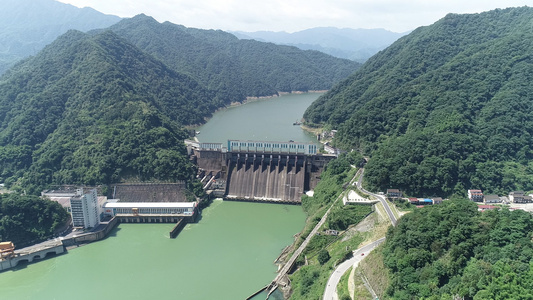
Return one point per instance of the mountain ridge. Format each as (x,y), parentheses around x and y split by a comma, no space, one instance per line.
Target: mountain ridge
(243,68)
(438,108)
(354,44)
(26,26)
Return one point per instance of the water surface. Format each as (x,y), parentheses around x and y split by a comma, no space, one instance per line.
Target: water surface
(228,254)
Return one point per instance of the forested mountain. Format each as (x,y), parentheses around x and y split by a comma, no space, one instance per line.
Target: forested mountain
(92,109)
(353,44)
(110,105)
(234,68)
(26,26)
(452,251)
(446,108)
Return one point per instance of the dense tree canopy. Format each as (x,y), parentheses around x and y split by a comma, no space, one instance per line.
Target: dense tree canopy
(450,250)
(27,219)
(443,109)
(95,109)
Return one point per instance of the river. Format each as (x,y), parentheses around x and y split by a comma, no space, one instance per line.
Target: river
(228,254)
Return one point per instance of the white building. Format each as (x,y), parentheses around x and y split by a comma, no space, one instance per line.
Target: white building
(475,195)
(149,208)
(85,209)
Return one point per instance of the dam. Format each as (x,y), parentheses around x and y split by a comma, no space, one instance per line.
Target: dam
(277,172)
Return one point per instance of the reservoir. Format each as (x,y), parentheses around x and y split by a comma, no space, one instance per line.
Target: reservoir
(228,254)
(262,120)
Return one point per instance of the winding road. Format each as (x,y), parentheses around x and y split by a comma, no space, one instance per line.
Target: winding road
(381,198)
(330,292)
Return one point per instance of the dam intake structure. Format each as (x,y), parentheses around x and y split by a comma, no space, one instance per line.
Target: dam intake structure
(278,172)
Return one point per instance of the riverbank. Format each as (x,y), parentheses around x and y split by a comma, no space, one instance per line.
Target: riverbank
(279,94)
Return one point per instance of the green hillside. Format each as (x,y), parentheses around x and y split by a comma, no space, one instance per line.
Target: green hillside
(234,68)
(92,109)
(446,108)
(452,251)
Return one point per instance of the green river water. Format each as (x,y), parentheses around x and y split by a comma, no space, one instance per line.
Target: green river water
(228,254)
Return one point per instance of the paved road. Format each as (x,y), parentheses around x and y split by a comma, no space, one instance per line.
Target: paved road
(380,197)
(330,293)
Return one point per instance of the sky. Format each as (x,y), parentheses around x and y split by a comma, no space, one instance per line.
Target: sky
(296,15)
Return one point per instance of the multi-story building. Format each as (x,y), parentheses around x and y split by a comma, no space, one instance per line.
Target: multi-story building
(519,197)
(475,195)
(516,196)
(84,209)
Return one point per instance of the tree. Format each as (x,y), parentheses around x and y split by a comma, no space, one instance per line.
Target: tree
(323,256)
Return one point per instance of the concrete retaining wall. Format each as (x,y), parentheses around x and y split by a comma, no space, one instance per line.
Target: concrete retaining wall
(91,236)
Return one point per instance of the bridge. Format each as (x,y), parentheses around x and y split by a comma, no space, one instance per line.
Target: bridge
(32,253)
(277,172)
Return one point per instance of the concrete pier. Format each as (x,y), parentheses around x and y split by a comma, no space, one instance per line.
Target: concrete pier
(177,228)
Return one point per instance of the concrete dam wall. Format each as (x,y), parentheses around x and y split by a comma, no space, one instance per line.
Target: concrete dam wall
(258,170)
(257,177)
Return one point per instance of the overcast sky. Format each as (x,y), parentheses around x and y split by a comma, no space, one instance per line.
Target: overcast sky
(295,15)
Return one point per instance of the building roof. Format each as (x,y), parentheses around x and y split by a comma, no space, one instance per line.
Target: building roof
(150,205)
(393,191)
(63,201)
(484,207)
(492,198)
(6,245)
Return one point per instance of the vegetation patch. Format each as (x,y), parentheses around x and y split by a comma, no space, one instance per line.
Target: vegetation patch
(360,290)
(373,269)
(25,220)
(453,250)
(342,288)
(340,217)
(444,109)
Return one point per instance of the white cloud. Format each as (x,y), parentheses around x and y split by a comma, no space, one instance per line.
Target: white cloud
(294,15)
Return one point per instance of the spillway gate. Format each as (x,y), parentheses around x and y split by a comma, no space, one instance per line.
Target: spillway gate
(278,175)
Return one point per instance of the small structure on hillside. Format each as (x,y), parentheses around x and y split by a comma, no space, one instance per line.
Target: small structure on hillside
(492,199)
(354,198)
(331,232)
(7,250)
(519,197)
(475,195)
(486,207)
(393,193)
